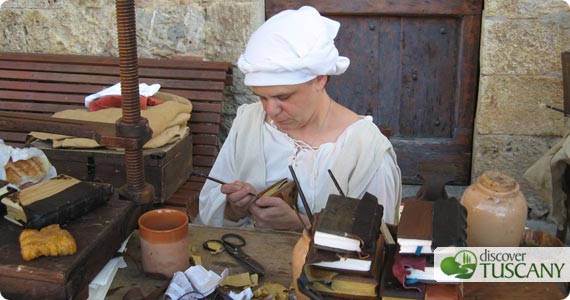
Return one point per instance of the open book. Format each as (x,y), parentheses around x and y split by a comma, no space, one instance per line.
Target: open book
(285,189)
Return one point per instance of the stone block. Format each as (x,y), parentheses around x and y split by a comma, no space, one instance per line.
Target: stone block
(171,30)
(523,47)
(510,105)
(513,155)
(524,8)
(229,27)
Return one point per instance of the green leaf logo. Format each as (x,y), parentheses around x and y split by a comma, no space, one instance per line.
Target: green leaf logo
(462,265)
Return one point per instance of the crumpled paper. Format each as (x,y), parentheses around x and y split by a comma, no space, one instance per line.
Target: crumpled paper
(246,294)
(194,283)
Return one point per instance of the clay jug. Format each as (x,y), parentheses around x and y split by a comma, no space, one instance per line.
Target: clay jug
(496,211)
(298,260)
(164,242)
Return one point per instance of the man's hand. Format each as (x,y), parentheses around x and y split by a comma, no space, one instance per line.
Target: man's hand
(239,197)
(274,213)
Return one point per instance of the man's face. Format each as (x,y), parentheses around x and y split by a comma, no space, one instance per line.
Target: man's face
(291,106)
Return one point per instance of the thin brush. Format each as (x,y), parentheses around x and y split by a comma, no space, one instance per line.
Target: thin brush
(336,183)
(303,199)
(217,180)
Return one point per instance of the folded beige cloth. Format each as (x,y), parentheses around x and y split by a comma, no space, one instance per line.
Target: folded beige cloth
(546,177)
(168,122)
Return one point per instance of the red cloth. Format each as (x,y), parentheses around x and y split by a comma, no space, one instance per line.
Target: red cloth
(116,100)
(400,272)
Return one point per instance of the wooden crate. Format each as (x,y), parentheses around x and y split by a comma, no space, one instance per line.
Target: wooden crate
(167,168)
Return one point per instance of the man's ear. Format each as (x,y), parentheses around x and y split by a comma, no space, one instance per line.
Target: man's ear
(322,81)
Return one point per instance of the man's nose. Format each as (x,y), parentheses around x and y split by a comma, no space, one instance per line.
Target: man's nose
(272,107)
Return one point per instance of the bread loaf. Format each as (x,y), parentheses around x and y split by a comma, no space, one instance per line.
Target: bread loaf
(23,171)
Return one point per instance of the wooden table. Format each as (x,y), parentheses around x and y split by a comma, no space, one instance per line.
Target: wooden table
(272,249)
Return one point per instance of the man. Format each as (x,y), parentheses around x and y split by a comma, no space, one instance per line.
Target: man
(287,63)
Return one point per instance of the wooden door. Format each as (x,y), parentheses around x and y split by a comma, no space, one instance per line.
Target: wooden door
(414,68)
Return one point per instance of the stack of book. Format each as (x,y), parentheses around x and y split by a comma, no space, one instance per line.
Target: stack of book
(347,250)
(424,226)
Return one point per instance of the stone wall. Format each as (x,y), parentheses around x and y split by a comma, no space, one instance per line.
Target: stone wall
(520,59)
(520,67)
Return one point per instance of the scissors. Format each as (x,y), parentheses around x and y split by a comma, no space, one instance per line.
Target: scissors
(232,243)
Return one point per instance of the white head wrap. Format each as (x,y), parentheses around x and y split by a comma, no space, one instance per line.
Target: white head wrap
(292,47)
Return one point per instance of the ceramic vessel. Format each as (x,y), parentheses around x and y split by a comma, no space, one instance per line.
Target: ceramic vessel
(496,211)
(164,241)
(298,260)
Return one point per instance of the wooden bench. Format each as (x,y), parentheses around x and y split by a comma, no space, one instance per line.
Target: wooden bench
(48,83)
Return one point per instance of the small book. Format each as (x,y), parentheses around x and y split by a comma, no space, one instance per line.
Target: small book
(349,224)
(285,189)
(414,234)
(55,201)
(351,262)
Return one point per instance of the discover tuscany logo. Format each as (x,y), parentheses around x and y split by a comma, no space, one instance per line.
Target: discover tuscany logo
(502,264)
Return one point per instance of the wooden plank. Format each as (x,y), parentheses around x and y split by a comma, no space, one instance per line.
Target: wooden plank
(13,136)
(114,61)
(206,107)
(205,150)
(113,70)
(204,128)
(108,80)
(206,118)
(44,97)
(203,161)
(44,108)
(46,87)
(206,139)
(194,95)
(59,77)
(407,7)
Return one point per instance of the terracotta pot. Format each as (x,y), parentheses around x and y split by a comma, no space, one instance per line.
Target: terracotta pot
(496,211)
(298,260)
(164,241)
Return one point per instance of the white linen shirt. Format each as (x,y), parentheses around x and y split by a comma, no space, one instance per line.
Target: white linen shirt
(310,165)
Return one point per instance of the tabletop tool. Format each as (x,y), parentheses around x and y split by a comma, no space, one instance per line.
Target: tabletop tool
(232,244)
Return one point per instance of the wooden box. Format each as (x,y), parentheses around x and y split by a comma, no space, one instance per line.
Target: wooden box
(167,168)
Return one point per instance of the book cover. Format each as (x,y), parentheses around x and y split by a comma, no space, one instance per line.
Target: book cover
(416,227)
(285,189)
(55,201)
(449,223)
(345,223)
